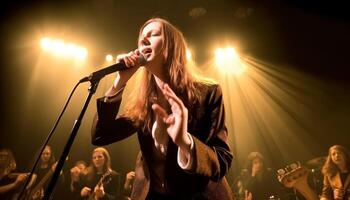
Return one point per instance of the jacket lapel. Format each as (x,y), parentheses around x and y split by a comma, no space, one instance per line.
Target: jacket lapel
(336,181)
(347,181)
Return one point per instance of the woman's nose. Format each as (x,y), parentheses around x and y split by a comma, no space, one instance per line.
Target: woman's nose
(144,40)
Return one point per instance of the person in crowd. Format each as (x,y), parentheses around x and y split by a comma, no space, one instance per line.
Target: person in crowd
(260,183)
(336,183)
(76,174)
(8,185)
(100,180)
(43,173)
(129,180)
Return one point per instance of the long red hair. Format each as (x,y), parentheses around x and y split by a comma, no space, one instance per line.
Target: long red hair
(330,168)
(91,171)
(9,162)
(181,82)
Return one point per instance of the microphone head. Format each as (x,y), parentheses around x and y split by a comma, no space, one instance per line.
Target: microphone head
(142,59)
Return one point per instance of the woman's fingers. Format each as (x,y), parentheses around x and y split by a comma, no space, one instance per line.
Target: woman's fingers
(131,59)
(175,107)
(160,112)
(175,102)
(170,120)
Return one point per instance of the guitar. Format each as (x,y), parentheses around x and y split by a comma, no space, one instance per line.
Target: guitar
(295,176)
(105,179)
(37,193)
(26,190)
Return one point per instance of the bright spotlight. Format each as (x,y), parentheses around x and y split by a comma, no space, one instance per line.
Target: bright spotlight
(81,53)
(62,49)
(109,58)
(59,47)
(227,60)
(70,49)
(188,55)
(45,44)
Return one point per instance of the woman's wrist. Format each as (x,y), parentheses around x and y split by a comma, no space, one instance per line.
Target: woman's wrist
(186,144)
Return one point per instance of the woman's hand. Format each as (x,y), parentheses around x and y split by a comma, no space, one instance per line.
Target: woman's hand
(99,192)
(75,174)
(20,179)
(176,121)
(248,195)
(133,60)
(338,193)
(85,191)
(130,176)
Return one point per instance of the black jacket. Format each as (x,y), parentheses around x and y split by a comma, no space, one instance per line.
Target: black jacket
(212,157)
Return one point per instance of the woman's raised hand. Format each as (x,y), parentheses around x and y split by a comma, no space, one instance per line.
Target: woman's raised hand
(176,121)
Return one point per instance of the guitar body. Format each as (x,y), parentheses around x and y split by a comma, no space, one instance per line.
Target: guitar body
(296,177)
(92,197)
(105,179)
(37,193)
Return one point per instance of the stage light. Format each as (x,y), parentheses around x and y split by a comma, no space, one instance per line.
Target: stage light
(81,53)
(228,61)
(188,55)
(109,58)
(70,49)
(60,48)
(45,44)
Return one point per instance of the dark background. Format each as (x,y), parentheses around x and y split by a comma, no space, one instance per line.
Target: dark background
(309,37)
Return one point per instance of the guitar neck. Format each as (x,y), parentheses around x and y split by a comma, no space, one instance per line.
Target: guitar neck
(15,175)
(105,178)
(297,178)
(307,192)
(43,180)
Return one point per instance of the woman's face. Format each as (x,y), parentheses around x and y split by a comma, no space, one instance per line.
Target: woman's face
(98,159)
(151,42)
(46,155)
(257,165)
(338,157)
(4,156)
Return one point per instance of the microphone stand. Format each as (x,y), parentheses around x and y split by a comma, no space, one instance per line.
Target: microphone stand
(74,131)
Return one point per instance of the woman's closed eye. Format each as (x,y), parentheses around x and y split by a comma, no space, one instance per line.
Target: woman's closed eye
(156,34)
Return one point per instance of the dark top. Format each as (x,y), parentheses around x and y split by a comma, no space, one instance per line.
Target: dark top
(41,182)
(5,181)
(67,190)
(43,179)
(264,187)
(111,185)
(343,177)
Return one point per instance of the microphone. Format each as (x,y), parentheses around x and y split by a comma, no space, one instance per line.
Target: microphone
(120,66)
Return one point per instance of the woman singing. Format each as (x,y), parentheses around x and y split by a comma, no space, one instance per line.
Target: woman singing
(179,120)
